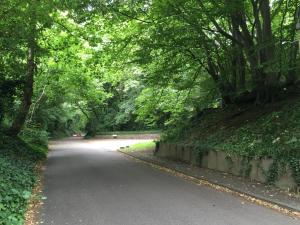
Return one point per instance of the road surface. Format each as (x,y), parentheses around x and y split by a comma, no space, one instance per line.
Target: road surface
(87,182)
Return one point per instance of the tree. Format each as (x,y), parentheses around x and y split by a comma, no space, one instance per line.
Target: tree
(115,64)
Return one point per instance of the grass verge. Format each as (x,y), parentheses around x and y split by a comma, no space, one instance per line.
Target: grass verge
(130,132)
(149,145)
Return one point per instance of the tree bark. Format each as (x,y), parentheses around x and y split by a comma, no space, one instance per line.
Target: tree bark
(27,94)
(267,37)
(27,91)
(239,63)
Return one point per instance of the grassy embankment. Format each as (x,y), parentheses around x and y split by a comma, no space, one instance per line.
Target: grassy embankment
(272,131)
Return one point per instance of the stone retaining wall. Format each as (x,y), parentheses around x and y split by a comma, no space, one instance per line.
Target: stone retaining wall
(217,160)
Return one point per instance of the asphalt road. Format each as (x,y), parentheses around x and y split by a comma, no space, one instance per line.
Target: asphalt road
(89,183)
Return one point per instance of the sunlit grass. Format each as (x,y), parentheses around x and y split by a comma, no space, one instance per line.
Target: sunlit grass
(130,132)
(149,145)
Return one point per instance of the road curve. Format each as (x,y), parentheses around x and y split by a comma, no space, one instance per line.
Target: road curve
(87,182)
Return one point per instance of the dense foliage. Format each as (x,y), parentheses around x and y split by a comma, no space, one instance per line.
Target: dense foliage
(120,65)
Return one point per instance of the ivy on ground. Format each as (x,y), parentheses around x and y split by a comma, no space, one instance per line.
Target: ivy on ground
(18,176)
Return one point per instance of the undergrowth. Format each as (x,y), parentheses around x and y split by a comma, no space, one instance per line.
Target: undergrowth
(273,133)
(276,136)
(18,175)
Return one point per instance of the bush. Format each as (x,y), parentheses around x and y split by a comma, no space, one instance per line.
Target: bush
(34,136)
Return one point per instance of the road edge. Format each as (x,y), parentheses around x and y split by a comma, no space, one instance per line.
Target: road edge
(287,210)
(35,202)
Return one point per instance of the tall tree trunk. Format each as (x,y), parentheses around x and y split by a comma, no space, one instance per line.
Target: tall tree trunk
(240,31)
(27,91)
(271,82)
(292,73)
(241,71)
(31,70)
(238,57)
(294,49)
